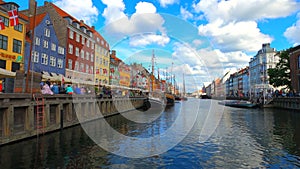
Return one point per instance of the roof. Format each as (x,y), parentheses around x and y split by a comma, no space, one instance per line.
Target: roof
(64,14)
(38,19)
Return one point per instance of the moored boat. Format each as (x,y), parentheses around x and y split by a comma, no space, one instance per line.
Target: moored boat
(238,103)
(170,99)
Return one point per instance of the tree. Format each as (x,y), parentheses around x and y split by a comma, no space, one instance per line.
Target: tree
(280,76)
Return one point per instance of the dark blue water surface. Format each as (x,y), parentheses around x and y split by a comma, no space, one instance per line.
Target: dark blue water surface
(242,138)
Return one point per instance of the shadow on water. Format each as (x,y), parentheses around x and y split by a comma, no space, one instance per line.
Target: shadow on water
(245,138)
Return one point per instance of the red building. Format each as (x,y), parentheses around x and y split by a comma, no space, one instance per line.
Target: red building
(295,67)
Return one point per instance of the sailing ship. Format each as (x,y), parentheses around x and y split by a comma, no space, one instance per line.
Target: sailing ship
(183,95)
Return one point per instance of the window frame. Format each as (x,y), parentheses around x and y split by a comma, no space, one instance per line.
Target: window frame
(3,42)
(17,46)
(52,61)
(44,58)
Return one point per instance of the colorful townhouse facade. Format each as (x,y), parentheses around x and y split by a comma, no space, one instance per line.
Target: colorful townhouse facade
(114,75)
(47,54)
(80,43)
(125,72)
(12,38)
(258,75)
(102,60)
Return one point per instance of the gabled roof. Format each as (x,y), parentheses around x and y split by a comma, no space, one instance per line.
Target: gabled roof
(64,14)
(38,19)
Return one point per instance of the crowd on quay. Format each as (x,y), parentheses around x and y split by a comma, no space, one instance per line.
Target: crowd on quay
(260,97)
(102,91)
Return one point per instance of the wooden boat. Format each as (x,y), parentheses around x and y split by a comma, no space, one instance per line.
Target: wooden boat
(238,104)
(170,99)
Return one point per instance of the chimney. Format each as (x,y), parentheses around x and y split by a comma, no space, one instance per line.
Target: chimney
(81,21)
(31,7)
(113,53)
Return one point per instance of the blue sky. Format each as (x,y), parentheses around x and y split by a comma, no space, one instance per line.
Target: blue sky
(203,38)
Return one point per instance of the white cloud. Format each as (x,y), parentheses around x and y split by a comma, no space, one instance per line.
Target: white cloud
(81,10)
(114,10)
(143,28)
(185,13)
(245,10)
(245,36)
(165,3)
(293,33)
(210,61)
(232,25)
(147,39)
(145,7)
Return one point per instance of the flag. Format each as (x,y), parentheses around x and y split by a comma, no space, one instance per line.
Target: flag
(2,26)
(13,17)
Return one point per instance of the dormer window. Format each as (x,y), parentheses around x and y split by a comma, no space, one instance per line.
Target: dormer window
(10,6)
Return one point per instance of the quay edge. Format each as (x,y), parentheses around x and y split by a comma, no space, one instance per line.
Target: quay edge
(18,113)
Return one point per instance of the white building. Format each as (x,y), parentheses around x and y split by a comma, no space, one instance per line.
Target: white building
(264,59)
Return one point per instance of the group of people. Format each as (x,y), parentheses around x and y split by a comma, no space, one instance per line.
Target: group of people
(52,88)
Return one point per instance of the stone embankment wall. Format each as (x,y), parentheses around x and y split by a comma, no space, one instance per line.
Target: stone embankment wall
(18,113)
(292,103)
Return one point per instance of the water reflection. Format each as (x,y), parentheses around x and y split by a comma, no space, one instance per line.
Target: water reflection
(244,138)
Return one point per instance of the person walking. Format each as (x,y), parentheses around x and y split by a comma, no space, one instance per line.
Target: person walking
(69,89)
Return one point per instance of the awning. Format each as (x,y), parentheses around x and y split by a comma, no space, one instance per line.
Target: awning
(6,73)
(46,76)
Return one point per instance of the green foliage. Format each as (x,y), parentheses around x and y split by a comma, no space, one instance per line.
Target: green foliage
(280,76)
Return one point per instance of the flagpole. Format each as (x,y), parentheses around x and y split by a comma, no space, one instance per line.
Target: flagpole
(30,51)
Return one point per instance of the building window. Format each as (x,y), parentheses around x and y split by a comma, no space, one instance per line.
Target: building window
(81,67)
(37,41)
(70,63)
(77,51)
(3,42)
(77,37)
(92,70)
(35,57)
(19,27)
(82,54)
(88,43)
(47,32)
(44,59)
(5,20)
(87,56)
(52,61)
(53,47)
(93,45)
(60,63)
(82,40)
(61,50)
(71,34)
(92,58)
(76,66)
(46,44)
(299,62)
(17,46)
(87,68)
(70,48)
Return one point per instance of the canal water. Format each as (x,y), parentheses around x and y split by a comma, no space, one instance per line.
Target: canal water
(200,134)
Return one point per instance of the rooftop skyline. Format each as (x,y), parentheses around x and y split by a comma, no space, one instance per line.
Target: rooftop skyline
(203,38)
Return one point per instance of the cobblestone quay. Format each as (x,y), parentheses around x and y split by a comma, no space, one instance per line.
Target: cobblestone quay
(18,112)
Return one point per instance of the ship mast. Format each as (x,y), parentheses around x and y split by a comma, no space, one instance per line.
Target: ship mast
(152,73)
(183,86)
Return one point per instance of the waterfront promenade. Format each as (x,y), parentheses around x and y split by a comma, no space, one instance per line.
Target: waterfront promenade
(19,112)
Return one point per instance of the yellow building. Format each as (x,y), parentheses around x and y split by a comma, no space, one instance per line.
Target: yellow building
(124,71)
(102,60)
(12,39)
